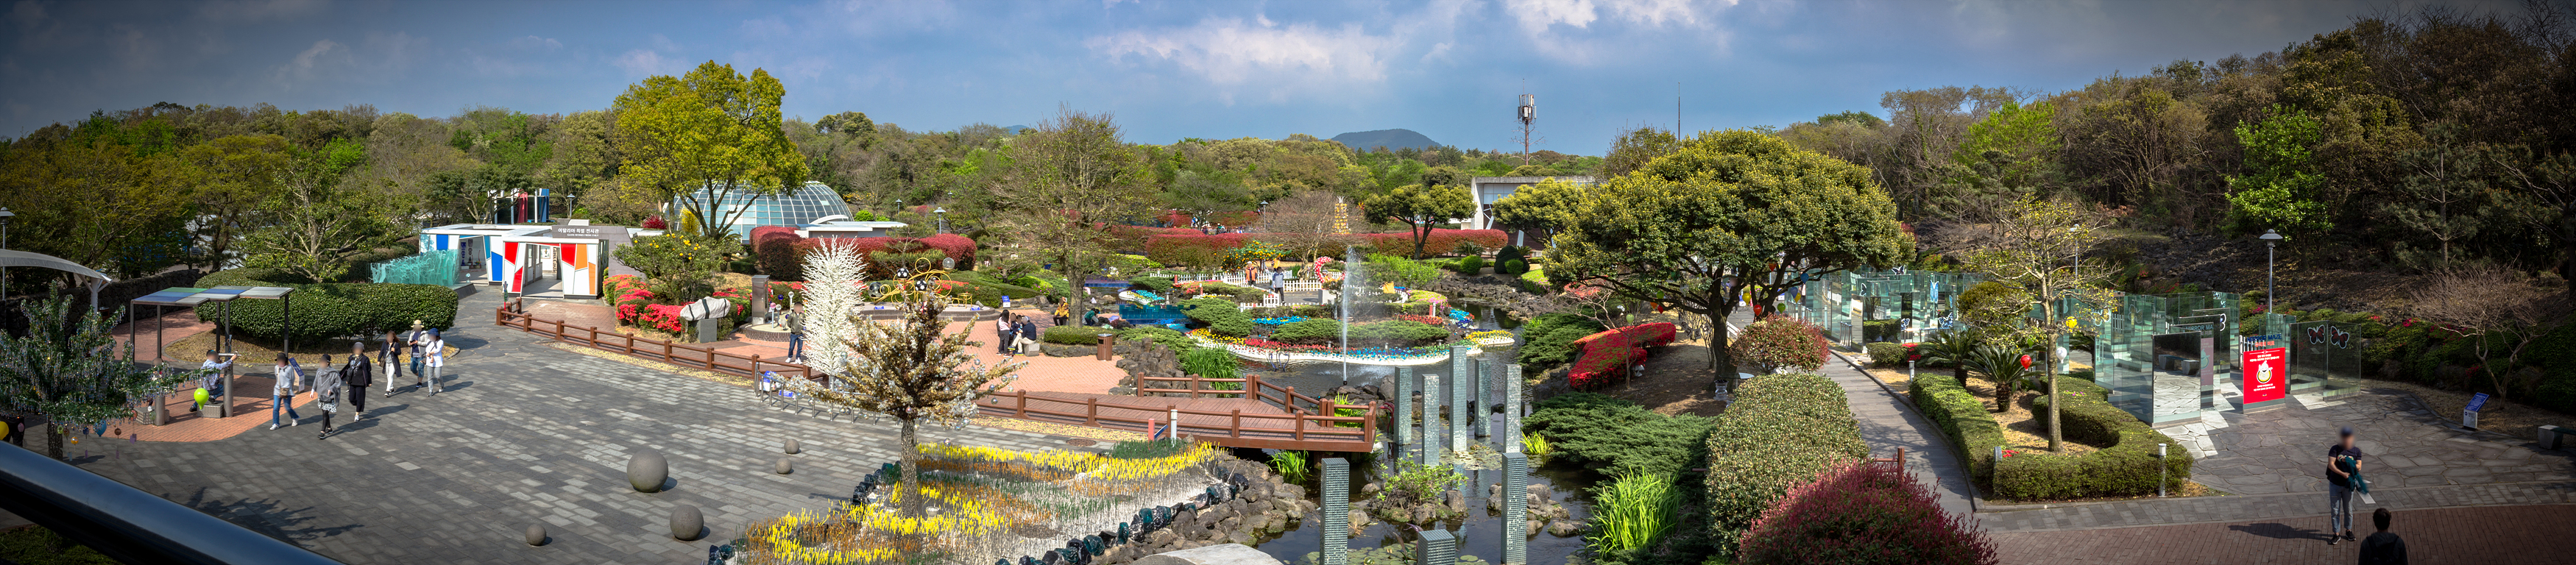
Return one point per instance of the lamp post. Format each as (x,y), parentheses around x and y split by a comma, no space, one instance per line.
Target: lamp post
(943,218)
(2270,238)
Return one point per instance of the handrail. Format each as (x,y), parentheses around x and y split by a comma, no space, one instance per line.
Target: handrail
(127,524)
(1254,388)
(514,315)
(1304,428)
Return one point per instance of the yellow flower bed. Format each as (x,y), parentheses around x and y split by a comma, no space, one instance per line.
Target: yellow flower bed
(878,533)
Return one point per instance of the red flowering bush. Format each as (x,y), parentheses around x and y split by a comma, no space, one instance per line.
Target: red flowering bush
(1780,341)
(1441,241)
(1433,320)
(1601,365)
(1862,513)
(1192,248)
(663,317)
(775,250)
(656,223)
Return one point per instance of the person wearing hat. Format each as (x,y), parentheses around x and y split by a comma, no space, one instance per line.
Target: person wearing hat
(419,333)
(2343,464)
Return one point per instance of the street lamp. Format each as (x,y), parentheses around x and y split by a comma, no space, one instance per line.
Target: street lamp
(943,218)
(2270,238)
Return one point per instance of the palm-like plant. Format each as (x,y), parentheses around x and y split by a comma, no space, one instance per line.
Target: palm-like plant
(1955,347)
(2007,366)
(67,368)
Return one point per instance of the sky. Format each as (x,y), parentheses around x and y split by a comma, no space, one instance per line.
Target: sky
(1167,70)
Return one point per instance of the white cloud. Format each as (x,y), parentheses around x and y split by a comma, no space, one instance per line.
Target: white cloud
(1587,35)
(379,59)
(642,62)
(1232,52)
(1536,15)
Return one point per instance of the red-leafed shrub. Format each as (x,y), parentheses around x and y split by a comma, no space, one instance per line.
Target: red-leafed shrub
(1861,513)
(1439,242)
(1133,238)
(656,223)
(1602,365)
(1192,249)
(881,251)
(776,250)
(1780,341)
(955,247)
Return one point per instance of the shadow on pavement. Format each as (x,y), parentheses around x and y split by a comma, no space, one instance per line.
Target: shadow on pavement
(267,517)
(2277,530)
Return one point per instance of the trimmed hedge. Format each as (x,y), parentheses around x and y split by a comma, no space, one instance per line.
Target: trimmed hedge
(1616,437)
(1072,335)
(1885,353)
(1963,417)
(1782,431)
(325,311)
(1221,316)
(2126,465)
(1439,242)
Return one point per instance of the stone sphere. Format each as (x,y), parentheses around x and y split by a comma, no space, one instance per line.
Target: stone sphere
(647,471)
(536,534)
(686,522)
(784,467)
(793,447)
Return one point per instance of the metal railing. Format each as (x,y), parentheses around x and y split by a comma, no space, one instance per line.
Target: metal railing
(514,315)
(1318,431)
(129,525)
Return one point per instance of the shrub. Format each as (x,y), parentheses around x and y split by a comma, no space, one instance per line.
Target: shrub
(1878,330)
(1510,252)
(1470,266)
(325,311)
(2125,465)
(1616,437)
(1210,363)
(1782,431)
(1551,340)
(1780,341)
(1512,267)
(1886,354)
(1221,316)
(1860,513)
(1157,285)
(1166,338)
(36,545)
(1071,335)
(1439,240)
(1630,513)
(1962,417)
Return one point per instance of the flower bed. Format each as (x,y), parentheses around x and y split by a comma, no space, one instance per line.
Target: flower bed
(984,505)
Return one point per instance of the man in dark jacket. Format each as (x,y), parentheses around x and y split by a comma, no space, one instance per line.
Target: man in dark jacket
(359,374)
(2382,548)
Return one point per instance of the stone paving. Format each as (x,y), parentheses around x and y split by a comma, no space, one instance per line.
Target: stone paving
(525,434)
(2283,450)
(2509,535)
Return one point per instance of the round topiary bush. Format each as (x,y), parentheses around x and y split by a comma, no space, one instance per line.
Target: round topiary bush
(1860,513)
(1780,341)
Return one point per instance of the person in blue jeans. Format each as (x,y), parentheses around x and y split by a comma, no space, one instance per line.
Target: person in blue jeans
(2343,460)
(282,397)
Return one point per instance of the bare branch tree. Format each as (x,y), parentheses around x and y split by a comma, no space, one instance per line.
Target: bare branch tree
(2483,301)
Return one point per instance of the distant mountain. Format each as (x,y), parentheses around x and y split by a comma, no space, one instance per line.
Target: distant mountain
(1389,138)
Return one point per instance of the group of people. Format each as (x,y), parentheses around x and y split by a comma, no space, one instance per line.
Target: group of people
(1018,333)
(343,381)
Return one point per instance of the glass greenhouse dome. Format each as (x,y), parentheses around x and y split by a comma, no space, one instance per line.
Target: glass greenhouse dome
(807,203)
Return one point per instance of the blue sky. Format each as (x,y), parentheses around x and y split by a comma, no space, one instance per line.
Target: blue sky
(1450,69)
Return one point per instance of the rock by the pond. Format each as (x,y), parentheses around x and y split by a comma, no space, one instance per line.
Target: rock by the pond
(686,523)
(536,534)
(1219,554)
(647,470)
(1564,528)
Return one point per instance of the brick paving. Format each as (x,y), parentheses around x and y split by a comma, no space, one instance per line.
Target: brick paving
(2485,535)
(1044,373)
(525,434)
(2283,450)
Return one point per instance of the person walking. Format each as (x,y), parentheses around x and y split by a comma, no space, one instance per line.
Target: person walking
(2382,548)
(795,337)
(1028,336)
(412,340)
(2343,460)
(359,374)
(1278,286)
(391,357)
(326,393)
(281,396)
(432,356)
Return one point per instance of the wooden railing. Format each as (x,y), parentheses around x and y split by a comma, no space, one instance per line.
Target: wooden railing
(1318,431)
(1251,387)
(515,315)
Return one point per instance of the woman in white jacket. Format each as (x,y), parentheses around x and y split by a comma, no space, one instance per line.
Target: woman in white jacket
(282,396)
(433,355)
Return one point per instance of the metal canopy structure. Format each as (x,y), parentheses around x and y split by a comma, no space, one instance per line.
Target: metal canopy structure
(191,297)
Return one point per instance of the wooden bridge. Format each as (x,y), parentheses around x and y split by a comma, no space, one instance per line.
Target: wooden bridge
(1267,416)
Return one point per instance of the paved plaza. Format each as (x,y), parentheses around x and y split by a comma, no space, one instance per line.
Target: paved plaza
(525,434)
(2485,535)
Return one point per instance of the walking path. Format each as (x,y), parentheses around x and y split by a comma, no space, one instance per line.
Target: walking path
(524,434)
(2486,535)
(1887,424)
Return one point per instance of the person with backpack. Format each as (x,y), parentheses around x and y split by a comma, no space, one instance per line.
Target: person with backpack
(281,396)
(359,374)
(326,393)
(432,356)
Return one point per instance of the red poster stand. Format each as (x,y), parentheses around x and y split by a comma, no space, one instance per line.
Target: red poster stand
(2266,375)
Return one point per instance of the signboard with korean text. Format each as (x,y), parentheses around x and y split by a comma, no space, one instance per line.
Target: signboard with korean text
(2265,371)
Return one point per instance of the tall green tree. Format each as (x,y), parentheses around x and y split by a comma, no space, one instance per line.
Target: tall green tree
(67,368)
(1068,183)
(707,136)
(2280,187)
(1545,207)
(1423,207)
(1635,147)
(1730,213)
(2446,192)
(318,220)
(236,176)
